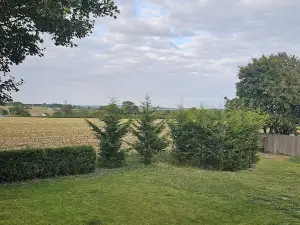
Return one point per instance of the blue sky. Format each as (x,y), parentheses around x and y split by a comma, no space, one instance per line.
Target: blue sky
(176,50)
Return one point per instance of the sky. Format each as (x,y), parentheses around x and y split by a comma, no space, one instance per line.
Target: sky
(178,51)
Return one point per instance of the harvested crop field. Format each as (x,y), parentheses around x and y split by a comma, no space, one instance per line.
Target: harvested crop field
(36,132)
(18,132)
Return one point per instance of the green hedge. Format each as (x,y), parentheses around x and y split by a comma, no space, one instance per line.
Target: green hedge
(17,165)
(216,139)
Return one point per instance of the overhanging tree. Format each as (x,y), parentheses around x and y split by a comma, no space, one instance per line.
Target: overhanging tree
(22,24)
(271,84)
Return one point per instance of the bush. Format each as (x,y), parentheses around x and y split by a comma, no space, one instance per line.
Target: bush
(216,139)
(110,138)
(17,165)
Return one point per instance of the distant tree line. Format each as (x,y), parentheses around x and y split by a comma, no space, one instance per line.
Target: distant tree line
(46,105)
(128,109)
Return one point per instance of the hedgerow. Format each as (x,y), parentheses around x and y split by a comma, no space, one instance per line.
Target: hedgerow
(17,165)
(216,139)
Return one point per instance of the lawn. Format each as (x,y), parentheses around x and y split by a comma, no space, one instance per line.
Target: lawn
(162,194)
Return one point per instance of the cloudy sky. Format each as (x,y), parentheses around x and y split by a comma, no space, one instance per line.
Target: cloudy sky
(176,50)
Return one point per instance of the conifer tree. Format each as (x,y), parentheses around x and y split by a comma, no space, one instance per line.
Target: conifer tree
(110,137)
(148,132)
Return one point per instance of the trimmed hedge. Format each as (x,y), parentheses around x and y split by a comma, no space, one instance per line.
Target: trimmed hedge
(18,165)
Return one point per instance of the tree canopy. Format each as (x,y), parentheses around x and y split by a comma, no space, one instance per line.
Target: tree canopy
(19,109)
(22,24)
(129,108)
(271,84)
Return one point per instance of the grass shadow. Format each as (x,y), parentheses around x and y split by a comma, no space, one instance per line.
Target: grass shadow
(295,160)
(94,222)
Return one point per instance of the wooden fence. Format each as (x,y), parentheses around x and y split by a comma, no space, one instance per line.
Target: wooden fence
(281,144)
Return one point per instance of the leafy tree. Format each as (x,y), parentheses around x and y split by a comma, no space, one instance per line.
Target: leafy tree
(67,109)
(4,112)
(130,108)
(57,113)
(22,24)
(56,105)
(110,138)
(235,103)
(271,84)
(7,86)
(103,107)
(98,114)
(19,109)
(148,132)
(83,112)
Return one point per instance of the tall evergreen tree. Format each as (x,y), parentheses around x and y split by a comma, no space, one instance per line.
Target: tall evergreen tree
(148,132)
(110,137)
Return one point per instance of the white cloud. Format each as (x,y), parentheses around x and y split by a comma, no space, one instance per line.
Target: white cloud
(265,4)
(174,49)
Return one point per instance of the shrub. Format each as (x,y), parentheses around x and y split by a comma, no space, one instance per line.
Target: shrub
(17,165)
(148,132)
(110,138)
(4,112)
(216,139)
(185,136)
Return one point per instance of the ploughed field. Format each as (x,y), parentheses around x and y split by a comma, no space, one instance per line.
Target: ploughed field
(39,132)
(22,132)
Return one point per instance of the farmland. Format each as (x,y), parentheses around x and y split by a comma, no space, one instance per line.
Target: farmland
(18,132)
(35,110)
(35,132)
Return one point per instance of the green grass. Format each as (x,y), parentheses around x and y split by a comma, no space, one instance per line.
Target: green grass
(295,159)
(160,194)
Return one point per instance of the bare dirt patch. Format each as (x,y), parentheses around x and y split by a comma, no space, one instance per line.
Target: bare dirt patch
(275,157)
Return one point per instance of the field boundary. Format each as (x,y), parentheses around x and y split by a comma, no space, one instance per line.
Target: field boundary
(281,144)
